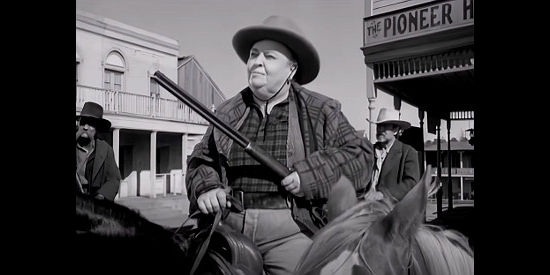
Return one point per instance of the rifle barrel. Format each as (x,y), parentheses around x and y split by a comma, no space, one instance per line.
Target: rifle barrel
(255,151)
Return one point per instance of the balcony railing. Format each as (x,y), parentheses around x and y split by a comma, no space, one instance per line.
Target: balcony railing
(455,171)
(140,105)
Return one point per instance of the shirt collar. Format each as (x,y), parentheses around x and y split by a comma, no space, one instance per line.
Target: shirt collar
(388,147)
(272,103)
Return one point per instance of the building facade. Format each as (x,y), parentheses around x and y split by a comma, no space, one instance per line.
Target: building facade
(462,168)
(152,133)
(421,52)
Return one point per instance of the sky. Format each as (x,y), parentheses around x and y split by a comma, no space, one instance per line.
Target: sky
(205,28)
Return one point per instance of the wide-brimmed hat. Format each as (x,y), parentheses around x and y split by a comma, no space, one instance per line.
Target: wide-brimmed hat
(285,31)
(390,117)
(94,111)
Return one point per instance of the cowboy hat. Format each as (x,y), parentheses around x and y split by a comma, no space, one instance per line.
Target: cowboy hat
(94,111)
(285,31)
(390,117)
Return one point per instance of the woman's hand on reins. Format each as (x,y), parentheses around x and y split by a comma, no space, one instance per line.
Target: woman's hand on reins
(213,201)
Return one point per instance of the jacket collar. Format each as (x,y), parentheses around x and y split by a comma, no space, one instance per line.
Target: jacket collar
(393,155)
(99,158)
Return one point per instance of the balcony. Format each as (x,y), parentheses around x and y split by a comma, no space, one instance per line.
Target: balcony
(115,102)
(459,172)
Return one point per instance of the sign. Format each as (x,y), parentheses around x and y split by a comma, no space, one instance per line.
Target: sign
(418,20)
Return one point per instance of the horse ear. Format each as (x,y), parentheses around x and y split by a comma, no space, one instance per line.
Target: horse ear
(342,197)
(408,214)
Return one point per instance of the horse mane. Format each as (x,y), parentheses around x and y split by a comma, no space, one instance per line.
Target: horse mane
(442,252)
(118,233)
(107,218)
(438,251)
(343,233)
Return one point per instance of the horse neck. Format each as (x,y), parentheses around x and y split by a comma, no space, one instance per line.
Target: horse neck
(441,252)
(110,219)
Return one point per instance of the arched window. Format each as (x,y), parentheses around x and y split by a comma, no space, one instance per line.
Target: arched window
(114,72)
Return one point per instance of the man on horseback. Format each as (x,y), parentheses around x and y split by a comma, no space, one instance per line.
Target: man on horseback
(396,168)
(303,130)
(96,171)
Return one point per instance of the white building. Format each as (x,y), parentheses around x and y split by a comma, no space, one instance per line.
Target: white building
(151,130)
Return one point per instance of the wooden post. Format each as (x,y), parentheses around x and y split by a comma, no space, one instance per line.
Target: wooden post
(421,159)
(440,191)
(449,157)
(153,163)
(116,151)
(371,96)
(461,178)
(422,152)
(372,126)
(184,152)
(184,162)
(461,188)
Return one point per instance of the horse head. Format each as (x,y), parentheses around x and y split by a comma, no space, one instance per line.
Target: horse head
(379,237)
(116,233)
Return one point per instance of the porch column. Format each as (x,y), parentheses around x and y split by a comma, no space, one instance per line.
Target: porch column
(438,155)
(116,149)
(450,186)
(421,159)
(461,188)
(184,152)
(371,95)
(116,145)
(422,152)
(372,126)
(153,163)
(184,139)
(461,178)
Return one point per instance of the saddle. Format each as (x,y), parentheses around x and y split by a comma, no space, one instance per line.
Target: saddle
(215,248)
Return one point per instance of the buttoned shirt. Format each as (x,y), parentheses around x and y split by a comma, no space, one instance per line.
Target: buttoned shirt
(381,152)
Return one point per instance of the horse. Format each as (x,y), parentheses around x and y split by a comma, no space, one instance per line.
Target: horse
(110,234)
(383,237)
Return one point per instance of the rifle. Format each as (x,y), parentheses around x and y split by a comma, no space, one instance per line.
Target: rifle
(249,147)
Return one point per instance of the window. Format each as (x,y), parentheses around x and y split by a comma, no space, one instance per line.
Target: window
(115,59)
(114,72)
(113,80)
(154,88)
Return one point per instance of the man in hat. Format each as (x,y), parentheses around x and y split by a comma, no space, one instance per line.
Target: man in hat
(304,130)
(396,168)
(96,171)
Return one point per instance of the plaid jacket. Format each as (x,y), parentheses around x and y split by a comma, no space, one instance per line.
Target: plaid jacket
(332,147)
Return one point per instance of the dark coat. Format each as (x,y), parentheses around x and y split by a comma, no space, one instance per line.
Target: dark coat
(102,172)
(400,171)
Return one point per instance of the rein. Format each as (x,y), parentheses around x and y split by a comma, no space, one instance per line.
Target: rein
(236,206)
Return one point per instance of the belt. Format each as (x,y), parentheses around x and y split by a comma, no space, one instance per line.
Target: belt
(261,200)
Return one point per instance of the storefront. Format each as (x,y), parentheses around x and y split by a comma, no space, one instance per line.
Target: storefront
(422,52)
